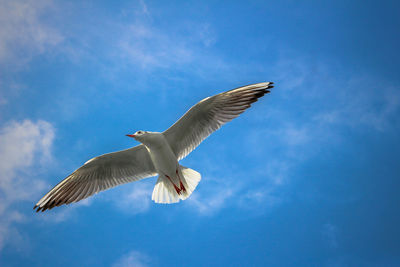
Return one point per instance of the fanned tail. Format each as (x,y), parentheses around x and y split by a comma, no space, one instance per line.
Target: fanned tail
(166,191)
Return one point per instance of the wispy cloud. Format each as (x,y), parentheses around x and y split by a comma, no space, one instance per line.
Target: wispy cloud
(135,200)
(365,104)
(133,259)
(222,187)
(322,104)
(141,45)
(347,99)
(146,46)
(211,199)
(312,111)
(24,32)
(22,145)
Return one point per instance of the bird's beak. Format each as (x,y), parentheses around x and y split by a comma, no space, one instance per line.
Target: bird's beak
(131,135)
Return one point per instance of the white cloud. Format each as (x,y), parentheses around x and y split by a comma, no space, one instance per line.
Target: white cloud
(145,10)
(210,203)
(290,73)
(133,259)
(143,44)
(365,104)
(255,191)
(22,145)
(327,103)
(212,195)
(137,199)
(357,100)
(312,111)
(294,135)
(149,47)
(260,200)
(24,32)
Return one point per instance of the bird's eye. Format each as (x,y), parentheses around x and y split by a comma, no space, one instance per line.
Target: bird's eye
(139,132)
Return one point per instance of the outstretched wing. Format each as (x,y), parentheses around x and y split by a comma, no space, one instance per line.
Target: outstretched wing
(209,115)
(98,174)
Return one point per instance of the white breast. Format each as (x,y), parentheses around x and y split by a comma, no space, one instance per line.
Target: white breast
(161,154)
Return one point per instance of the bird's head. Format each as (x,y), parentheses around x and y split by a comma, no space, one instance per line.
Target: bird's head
(139,135)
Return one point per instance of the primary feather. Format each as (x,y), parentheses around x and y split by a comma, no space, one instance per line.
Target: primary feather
(98,174)
(209,115)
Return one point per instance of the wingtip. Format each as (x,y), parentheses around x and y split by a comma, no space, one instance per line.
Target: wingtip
(38,208)
(267,85)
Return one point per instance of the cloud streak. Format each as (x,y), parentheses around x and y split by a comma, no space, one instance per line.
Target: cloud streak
(133,259)
(22,145)
(211,199)
(23,32)
(148,47)
(137,199)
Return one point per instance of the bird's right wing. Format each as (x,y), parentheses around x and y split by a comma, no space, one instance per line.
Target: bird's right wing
(98,174)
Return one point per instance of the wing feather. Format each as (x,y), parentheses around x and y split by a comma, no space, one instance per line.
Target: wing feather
(99,174)
(209,115)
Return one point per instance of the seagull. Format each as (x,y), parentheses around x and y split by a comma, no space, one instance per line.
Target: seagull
(158,153)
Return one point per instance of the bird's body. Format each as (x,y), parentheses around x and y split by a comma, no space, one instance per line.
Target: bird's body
(166,165)
(159,153)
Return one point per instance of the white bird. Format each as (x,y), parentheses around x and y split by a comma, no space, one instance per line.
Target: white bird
(159,153)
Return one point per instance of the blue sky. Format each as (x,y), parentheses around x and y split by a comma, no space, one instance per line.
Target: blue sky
(309,176)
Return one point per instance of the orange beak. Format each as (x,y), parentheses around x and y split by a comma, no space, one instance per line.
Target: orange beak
(131,135)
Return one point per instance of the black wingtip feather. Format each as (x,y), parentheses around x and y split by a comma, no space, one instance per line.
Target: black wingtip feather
(38,208)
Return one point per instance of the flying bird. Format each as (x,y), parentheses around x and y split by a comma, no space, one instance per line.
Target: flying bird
(158,153)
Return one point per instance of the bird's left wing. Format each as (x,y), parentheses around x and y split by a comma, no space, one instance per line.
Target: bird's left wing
(209,115)
(98,174)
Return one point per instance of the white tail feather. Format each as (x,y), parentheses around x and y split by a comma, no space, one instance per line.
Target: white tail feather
(191,180)
(164,191)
